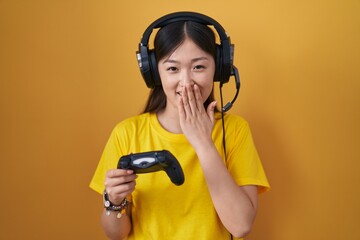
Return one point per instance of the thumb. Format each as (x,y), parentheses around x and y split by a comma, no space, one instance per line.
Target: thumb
(210,111)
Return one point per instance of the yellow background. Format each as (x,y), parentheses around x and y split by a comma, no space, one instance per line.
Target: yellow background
(68,73)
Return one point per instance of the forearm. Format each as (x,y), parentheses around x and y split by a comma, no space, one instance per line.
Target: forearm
(116,228)
(236,206)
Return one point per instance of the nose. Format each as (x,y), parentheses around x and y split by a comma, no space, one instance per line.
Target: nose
(186,78)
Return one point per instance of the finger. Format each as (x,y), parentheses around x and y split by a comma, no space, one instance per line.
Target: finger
(198,98)
(123,189)
(118,193)
(210,111)
(114,181)
(191,98)
(111,182)
(185,102)
(114,173)
(181,110)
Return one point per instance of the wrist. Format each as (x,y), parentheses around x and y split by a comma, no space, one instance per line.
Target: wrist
(204,147)
(111,207)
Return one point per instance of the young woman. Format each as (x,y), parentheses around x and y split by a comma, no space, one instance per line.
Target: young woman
(218,199)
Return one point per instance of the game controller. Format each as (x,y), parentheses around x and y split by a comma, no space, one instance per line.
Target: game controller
(154,161)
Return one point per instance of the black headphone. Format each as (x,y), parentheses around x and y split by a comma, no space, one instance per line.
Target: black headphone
(224,67)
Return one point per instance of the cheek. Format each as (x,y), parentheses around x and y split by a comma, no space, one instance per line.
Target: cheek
(169,85)
(206,89)
(206,84)
(207,92)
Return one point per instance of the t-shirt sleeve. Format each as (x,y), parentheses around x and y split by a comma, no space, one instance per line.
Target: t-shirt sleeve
(108,160)
(243,159)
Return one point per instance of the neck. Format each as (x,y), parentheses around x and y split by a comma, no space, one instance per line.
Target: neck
(169,120)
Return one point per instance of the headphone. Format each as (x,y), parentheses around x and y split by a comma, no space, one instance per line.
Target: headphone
(224,67)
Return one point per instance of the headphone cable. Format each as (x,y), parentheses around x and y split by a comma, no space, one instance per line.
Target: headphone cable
(222,119)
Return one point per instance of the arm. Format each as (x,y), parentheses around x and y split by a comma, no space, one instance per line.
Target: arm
(115,228)
(118,184)
(236,206)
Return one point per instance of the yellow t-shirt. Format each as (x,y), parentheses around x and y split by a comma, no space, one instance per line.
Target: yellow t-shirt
(162,210)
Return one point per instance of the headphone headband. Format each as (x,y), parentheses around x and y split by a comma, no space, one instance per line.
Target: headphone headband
(224,51)
(183,16)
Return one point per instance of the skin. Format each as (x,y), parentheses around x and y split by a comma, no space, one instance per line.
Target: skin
(187,79)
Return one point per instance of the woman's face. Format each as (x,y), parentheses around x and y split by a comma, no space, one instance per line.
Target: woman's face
(188,64)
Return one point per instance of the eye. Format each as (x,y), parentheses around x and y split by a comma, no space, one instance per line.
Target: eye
(172,69)
(199,67)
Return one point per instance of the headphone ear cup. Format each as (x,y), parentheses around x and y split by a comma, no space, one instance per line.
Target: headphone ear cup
(224,59)
(218,64)
(227,62)
(154,69)
(145,65)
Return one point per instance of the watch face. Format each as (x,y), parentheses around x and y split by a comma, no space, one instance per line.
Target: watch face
(107,203)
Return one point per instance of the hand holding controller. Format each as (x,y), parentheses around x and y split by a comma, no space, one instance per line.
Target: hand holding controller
(152,162)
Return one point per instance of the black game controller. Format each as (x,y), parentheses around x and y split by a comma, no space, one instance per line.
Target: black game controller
(152,162)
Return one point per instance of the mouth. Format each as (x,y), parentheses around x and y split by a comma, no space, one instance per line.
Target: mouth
(178,93)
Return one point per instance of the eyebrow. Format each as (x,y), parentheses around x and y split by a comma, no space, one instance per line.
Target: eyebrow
(192,60)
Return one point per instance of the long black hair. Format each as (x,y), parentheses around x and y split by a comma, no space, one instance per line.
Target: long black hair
(166,41)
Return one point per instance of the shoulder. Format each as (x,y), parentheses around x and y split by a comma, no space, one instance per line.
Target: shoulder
(236,127)
(133,122)
(232,120)
(235,118)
